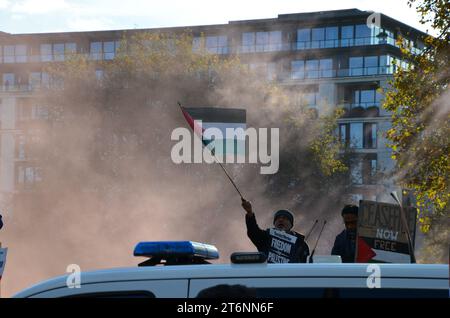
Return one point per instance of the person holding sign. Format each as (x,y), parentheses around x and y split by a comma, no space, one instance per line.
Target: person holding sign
(280,244)
(345,242)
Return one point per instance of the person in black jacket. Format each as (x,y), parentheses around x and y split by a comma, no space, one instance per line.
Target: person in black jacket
(345,243)
(280,244)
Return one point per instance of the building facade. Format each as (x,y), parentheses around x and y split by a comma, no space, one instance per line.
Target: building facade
(340,58)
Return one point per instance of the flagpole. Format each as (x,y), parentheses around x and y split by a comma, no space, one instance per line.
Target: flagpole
(223,168)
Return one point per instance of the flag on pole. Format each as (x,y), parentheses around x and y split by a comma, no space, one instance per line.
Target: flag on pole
(222,119)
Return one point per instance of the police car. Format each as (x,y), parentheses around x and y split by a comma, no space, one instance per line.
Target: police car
(186,272)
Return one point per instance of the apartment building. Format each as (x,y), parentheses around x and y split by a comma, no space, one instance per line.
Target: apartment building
(331,58)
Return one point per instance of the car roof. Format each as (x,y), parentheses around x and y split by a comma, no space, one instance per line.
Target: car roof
(242,271)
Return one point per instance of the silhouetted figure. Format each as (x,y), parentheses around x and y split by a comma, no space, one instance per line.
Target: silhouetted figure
(345,243)
(1,222)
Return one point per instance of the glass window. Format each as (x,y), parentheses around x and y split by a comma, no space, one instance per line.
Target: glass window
(8,54)
(343,133)
(347,35)
(248,42)
(46,53)
(271,71)
(109,50)
(367,98)
(21,53)
(317,37)
(58,51)
(362,34)
(303,39)
(371,65)
(96,50)
(356,135)
(312,69)
(326,68)
(35,79)
(356,66)
(356,172)
(331,37)
(298,69)
(356,98)
(275,40)
(9,80)
(370,135)
(196,44)
(216,44)
(70,48)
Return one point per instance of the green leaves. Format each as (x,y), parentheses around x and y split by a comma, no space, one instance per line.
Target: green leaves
(420,133)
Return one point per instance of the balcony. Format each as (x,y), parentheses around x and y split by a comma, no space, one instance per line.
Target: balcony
(368,109)
(318,74)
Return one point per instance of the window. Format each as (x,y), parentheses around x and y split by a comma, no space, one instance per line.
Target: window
(370,65)
(29,175)
(386,66)
(96,50)
(362,35)
(366,98)
(217,44)
(318,37)
(343,133)
(115,294)
(312,69)
(8,80)
(356,174)
(21,53)
(110,49)
(248,42)
(347,35)
(8,54)
(268,70)
(46,53)
(370,135)
(58,51)
(356,135)
(331,37)
(298,69)
(267,41)
(303,39)
(326,68)
(356,66)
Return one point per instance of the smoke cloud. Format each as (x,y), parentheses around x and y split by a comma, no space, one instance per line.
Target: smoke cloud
(108,181)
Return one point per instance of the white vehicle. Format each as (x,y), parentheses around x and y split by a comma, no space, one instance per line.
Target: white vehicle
(311,280)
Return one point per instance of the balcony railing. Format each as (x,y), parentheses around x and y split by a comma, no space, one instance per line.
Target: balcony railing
(333,73)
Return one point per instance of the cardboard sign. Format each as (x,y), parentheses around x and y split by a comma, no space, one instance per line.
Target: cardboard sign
(3,252)
(381,236)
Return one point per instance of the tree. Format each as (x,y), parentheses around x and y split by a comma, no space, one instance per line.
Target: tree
(420,133)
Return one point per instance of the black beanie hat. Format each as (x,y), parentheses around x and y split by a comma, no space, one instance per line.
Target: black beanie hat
(284,213)
(350,209)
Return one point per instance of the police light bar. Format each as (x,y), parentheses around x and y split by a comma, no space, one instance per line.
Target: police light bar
(176,249)
(248,257)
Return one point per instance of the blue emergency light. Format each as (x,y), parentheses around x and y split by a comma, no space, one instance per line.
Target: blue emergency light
(175,251)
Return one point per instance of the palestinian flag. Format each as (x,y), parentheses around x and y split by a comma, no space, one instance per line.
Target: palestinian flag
(221,119)
(365,253)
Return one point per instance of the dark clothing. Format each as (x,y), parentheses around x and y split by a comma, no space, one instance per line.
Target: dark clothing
(1,222)
(345,246)
(279,246)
